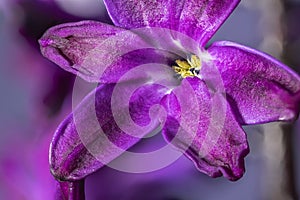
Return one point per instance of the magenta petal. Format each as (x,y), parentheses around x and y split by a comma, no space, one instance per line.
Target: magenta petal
(259,88)
(102,127)
(68,45)
(97,52)
(201,124)
(197,19)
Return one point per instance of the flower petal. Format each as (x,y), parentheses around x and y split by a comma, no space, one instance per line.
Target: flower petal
(97,52)
(201,124)
(258,87)
(197,19)
(102,127)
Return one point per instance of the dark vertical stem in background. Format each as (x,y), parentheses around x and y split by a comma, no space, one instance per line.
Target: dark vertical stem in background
(289,183)
(290,55)
(291,26)
(278,147)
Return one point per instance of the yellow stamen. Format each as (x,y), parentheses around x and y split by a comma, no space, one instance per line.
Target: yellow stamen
(195,62)
(189,68)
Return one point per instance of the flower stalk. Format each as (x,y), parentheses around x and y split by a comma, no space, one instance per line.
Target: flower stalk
(70,190)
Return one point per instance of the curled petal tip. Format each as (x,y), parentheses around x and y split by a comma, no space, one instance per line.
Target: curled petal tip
(44,42)
(53,41)
(215,150)
(237,170)
(233,168)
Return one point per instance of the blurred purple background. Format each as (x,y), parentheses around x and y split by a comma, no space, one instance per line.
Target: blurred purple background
(36,96)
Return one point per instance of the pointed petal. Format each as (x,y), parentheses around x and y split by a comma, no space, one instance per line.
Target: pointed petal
(197,19)
(97,52)
(258,87)
(201,124)
(102,127)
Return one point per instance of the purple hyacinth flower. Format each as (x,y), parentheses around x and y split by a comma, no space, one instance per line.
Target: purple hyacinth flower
(207,93)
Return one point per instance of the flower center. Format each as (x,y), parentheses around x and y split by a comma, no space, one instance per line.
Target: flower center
(188,68)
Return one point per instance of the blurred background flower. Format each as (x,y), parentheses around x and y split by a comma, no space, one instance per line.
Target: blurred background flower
(36,96)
